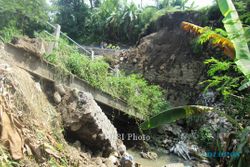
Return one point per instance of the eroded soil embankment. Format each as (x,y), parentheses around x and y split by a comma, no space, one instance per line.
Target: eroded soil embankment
(164,56)
(32,120)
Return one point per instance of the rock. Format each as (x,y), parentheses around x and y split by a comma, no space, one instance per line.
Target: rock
(173,129)
(152,155)
(57,98)
(109,163)
(138,165)
(38,86)
(113,159)
(121,149)
(60,89)
(180,122)
(202,165)
(149,155)
(28,150)
(134,60)
(161,130)
(143,155)
(102,165)
(75,93)
(76,126)
(77,145)
(162,67)
(98,161)
(127,160)
(121,58)
(174,165)
(88,123)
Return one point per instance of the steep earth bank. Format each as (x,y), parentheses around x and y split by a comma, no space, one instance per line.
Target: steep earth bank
(164,56)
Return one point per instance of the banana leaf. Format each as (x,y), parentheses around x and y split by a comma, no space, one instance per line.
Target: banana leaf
(217,40)
(236,34)
(174,114)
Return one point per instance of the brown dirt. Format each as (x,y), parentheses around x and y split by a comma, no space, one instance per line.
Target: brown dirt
(34,46)
(165,57)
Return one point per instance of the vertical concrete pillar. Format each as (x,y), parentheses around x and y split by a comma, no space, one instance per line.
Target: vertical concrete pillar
(92,55)
(57,35)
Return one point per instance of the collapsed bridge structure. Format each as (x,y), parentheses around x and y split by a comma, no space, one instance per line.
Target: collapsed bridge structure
(39,67)
(88,122)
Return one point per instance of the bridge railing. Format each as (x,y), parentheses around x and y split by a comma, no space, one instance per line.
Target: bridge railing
(90,53)
(58,32)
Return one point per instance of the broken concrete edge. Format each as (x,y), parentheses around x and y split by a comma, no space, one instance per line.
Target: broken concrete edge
(37,66)
(83,117)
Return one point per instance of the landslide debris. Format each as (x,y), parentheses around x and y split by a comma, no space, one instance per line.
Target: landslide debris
(84,118)
(32,130)
(164,56)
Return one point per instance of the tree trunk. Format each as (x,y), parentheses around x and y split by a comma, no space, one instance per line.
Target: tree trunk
(91,3)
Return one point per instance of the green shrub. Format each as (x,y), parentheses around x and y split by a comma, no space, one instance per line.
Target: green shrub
(205,136)
(148,99)
(238,106)
(7,33)
(224,76)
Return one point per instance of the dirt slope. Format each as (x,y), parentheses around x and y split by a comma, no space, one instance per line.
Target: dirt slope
(165,56)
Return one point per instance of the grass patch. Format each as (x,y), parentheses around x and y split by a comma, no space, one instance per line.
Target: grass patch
(7,33)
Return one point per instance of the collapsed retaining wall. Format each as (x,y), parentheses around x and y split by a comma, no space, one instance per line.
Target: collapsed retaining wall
(84,118)
(80,114)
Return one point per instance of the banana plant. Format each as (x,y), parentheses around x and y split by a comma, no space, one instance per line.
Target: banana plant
(235,46)
(236,34)
(181,112)
(174,114)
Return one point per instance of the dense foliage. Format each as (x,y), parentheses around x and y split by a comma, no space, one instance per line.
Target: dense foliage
(89,21)
(72,16)
(21,15)
(113,21)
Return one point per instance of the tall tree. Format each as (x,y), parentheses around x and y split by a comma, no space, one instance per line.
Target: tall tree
(72,16)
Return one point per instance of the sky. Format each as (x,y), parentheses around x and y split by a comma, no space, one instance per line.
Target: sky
(198,3)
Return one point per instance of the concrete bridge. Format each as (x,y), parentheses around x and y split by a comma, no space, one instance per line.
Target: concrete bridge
(36,66)
(103,51)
